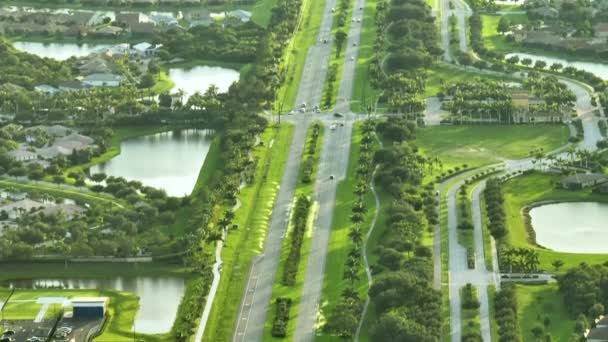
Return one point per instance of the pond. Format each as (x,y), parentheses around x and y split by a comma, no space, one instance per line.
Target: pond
(170,160)
(58,51)
(159,297)
(600,70)
(201,77)
(572,227)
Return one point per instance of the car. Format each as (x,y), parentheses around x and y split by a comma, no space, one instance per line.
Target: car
(333,10)
(325,41)
(437,193)
(358,20)
(302,110)
(303,105)
(34,339)
(8,333)
(7,339)
(354,44)
(341,124)
(318,110)
(338,115)
(331,177)
(67,330)
(353,20)
(361,8)
(352,58)
(332,127)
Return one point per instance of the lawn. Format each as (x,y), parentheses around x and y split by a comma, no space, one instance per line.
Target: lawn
(163,84)
(492,308)
(340,243)
(470,317)
(364,93)
(262,11)
(295,54)
(335,59)
(295,292)
(534,303)
(494,40)
(487,144)
(535,187)
(244,243)
(441,72)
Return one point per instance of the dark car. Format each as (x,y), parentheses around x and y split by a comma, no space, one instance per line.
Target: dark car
(338,115)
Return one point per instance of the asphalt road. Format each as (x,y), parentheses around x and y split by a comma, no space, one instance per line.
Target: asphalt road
(258,292)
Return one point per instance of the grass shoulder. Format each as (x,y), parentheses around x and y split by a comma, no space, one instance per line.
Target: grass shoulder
(252,219)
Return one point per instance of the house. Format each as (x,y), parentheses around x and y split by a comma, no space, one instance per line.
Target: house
(597,335)
(18,208)
(163,19)
(102,80)
(46,89)
(95,65)
(69,211)
(241,15)
(83,18)
(143,28)
(146,49)
(52,131)
(130,18)
(519,35)
(76,138)
(22,154)
(601,30)
(73,85)
(542,38)
(601,322)
(109,31)
(583,180)
(544,12)
(201,22)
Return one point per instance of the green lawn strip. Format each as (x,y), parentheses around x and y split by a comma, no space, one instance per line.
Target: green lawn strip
(465,236)
(295,54)
(295,292)
(535,187)
(363,92)
(339,242)
(487,237)
(496,41)
(487,144)
(492,306)
(454,35)
(163,84)
(61,191)
(470,317)
(338,60)
(262,11)
(244,243)
(441,72)
(540,301)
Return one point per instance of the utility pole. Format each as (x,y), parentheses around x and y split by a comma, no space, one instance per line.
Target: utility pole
(280,110)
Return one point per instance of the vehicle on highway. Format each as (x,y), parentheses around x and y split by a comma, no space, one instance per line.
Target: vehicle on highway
(341,124)
(352,58)
(331,177)
(7,339)
(325,41)
(332,126)
(333,10)
(303,105)
(302,110)
(354,44)
(437,193)
(358,20)
(318,110)
(338,115)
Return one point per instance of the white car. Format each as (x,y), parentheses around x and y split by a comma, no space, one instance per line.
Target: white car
(352,58)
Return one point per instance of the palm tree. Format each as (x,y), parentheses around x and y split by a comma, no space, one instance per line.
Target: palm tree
(355,235)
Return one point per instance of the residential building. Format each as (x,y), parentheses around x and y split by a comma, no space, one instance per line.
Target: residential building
(544,12)
(241,15)
(109,31)
(22,154)
(601,30)
(102,80)
(46,89)
(583,180)
(73,85)
(68,211)
(597,335)
(95,65)
(17,209)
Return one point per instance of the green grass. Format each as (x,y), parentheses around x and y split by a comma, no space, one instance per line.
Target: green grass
(470,318)
(295,53)
(492,308)
(439,73)
(487,238)
(163,84)
(494,40)
(262,12)
(60,191)
(534,301)
(339,242)
(535,187)
(247,241)
(295,292)
(487,144)
(334,58)
(363,92)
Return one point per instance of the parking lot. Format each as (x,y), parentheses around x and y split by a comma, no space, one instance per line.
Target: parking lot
(26,329)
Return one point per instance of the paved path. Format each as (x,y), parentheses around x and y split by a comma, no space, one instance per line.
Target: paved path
(41,313)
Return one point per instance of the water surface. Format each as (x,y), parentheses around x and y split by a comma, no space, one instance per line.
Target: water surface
(58,51)
(598,69)
(580,227)
(170,160)
(201,77)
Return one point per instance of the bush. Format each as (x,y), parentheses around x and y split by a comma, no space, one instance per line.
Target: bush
(300,217)
(279,325)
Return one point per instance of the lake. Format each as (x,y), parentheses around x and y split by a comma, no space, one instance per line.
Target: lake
(201,77)
(578,227)
(170,160)
(59,51)
(159,297)
(600,70)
